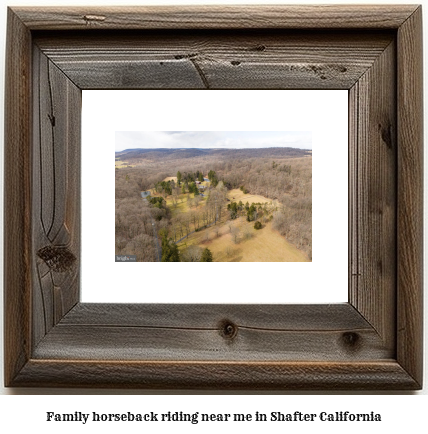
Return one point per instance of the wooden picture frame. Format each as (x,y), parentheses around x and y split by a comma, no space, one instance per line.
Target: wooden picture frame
(372,342)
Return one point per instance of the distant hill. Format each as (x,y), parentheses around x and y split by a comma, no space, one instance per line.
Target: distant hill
(174,153)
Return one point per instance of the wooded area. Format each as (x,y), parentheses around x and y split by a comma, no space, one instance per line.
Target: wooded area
(195,197)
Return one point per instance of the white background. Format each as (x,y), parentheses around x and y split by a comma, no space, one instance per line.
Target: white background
(400,413)
(324,280)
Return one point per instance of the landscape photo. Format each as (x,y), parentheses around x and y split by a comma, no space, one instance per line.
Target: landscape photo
(209,196)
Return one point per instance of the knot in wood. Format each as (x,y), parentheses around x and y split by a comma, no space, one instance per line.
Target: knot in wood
(258,48)
(386,134)
(58,259)
(227,329)
(185,56)
(89,18)
(351,340)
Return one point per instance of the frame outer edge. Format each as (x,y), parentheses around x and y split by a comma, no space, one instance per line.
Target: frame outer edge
(410,197)
(17,200)
(387,375)
(216,17)
(17,279)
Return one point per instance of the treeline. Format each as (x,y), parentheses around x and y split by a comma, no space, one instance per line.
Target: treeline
(133,229)
(252,212)
(289,182)
(198,218)
(293,220)
(188,177)
(147,155)
(134,217)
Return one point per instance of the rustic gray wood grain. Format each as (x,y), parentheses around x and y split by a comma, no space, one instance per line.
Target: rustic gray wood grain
(216,17)
(17,197)
(410,197)
(216,375)
(56,198)
(374,341)
(198,332)
(209,316)
(217,60)
(373,164)
(65,342)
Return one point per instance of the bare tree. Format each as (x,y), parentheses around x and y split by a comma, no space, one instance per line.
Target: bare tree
(205,215)
(176,193)
(175,229)
(192,254)
(197,200)
(235,234)
(143,247)
(216,230)
(247,233)
(180,225)
(120,245)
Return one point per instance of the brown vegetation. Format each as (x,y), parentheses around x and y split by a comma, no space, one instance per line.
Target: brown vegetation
(277,175)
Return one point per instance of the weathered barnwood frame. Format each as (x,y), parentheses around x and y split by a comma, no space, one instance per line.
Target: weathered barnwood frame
(372,342)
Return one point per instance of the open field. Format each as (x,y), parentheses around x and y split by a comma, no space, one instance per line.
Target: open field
(264,245)
(171,178)
(236,195)
(118,164)
(249,245)
(182,206)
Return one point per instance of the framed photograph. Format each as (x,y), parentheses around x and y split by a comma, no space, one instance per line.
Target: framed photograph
(269,171)
(202,210)
(53,337)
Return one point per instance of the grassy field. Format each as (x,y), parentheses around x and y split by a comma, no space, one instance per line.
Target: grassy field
(171,178)
(236,195)
(263,245)
(121,164)
(250,245)
(182,205)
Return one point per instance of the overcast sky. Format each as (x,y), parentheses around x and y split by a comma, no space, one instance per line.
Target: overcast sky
(212,139)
